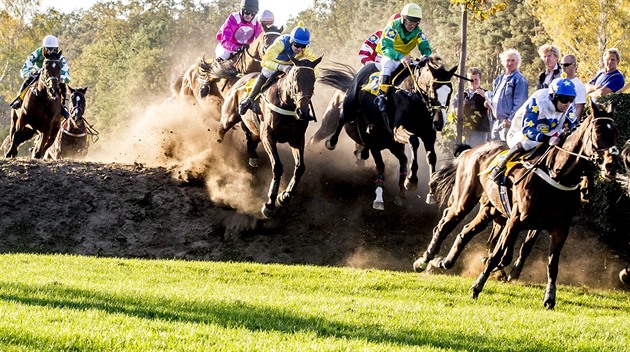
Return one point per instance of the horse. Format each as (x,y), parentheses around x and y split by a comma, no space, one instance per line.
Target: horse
(72,139)
(285,114)
(625,161)
(541,195)
(40,111)
(249,60)
(418,100)
(218,76)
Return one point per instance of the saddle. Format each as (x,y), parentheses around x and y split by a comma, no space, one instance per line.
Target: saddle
(520,159)
(247,89)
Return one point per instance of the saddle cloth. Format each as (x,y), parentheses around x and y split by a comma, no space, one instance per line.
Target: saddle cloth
(519,159)
(372,85)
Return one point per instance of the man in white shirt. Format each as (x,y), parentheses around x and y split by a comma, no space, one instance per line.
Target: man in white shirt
(569,67)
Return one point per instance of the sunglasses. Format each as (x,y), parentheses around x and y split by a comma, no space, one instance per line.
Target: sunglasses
(564,99)
(298,45)
(247,13)
(567,64)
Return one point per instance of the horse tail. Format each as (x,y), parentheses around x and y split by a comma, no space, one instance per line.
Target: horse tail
(443,180)
(339,76)
(176,85)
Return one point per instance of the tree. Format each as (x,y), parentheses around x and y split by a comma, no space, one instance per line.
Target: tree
(480,9)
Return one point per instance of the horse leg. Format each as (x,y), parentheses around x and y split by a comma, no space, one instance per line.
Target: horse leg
(526,249)
(399,152)
(269,209)
(228,120)
(478,224)
(331,143)
(49,139)
(452,216)
(298,171)
(505,243)
(254,160)
(429,147)
(18,138)
(411,183)
(558,237)
(378,203)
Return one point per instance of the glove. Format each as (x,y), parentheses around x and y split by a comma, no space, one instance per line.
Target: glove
(285,68)
(245,46)
(423,60)
(554,140)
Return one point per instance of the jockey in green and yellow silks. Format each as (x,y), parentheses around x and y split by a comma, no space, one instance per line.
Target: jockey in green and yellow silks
(400,37)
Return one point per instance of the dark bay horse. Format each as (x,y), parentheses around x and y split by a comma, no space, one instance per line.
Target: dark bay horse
(72,140)
(248,60)
(625,161)
(542,198)
(40,111)
(285,108)
(418,100)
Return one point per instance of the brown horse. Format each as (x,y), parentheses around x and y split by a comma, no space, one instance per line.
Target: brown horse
(40,111)
(248,60)
(545,197)
(218,76)
(285,114)
(72,140)
(625,181)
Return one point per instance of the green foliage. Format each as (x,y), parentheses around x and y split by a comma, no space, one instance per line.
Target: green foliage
(97,304)
(609,208)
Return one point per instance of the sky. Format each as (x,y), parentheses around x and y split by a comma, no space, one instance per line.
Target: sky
(282,9)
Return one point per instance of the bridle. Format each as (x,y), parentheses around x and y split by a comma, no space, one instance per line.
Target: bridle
(595,154)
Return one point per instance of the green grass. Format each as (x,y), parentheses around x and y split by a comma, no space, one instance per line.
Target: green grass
(73,303)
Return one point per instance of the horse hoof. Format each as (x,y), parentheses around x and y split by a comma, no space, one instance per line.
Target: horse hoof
(431,199)
(378,205)
(399,201)
(267,213)
(357,154)
(254,162)
(330,146)
(515,273)
(550,304)
(410,186)
(284,198)
(474,292)
(221,134)
(623,276)
(420,265)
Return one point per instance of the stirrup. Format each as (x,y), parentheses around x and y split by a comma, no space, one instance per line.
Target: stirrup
(16,103)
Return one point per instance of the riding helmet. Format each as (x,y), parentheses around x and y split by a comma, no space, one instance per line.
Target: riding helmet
(249,6)
(266,17)
(412,12)
(300,34)
(50,41)
(563,86)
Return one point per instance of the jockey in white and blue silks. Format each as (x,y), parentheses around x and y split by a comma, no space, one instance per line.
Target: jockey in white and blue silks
(542,119)
(399,38)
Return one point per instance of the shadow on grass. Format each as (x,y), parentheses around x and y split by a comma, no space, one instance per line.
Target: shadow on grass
(253,318)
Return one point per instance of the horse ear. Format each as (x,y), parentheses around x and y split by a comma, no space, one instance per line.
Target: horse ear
(452,71)
(281,29)
(72,90)
(84,90)
(319,59)
(60,53)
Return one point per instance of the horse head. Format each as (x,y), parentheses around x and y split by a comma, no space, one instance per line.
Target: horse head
(602,139)
(50,74)
(301,85)
(78,102)
(435,81)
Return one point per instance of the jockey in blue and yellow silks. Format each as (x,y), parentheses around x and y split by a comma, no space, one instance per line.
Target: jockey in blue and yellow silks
(278,58)
(400,37)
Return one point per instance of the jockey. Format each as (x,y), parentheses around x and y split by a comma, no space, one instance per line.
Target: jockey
(399,38)
(266,19)
(542,119)
(368,53)
(278,58)
(32,65)
(239,30)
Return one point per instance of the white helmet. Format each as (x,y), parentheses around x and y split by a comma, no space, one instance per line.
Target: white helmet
(50,41)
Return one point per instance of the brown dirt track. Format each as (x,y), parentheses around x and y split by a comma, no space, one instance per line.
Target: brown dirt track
(165,189)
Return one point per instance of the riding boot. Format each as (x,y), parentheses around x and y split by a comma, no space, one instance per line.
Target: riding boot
(246,104)
(17,102)
(497,172)
(204,90)
(64,94)
(381,98)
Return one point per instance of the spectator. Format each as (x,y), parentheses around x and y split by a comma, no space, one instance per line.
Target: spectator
(550,54)
(569,67)
(476,109)
(609,80)
(510,92)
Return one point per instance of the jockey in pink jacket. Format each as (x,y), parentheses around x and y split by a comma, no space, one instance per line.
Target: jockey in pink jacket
(239,30)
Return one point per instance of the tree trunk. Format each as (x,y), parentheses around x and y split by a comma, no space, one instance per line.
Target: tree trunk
(462,72)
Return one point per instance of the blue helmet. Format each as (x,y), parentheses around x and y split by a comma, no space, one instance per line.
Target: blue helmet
(563,86)
(300,34)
